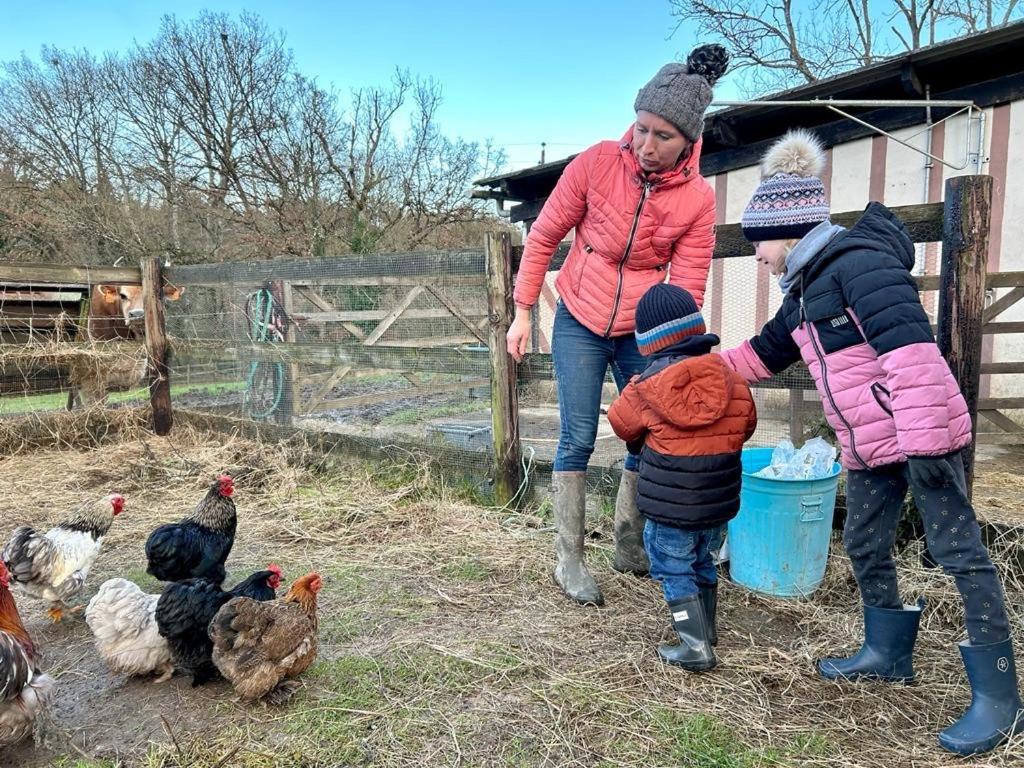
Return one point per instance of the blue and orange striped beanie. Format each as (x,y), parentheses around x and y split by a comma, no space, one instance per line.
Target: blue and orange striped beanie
(666,315)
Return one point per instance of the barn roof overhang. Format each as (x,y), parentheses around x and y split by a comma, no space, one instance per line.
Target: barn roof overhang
(986,68)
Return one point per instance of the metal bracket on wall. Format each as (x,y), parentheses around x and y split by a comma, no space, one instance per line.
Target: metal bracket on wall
(839,106)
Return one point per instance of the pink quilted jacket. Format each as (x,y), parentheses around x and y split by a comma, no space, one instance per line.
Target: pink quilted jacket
(630,230)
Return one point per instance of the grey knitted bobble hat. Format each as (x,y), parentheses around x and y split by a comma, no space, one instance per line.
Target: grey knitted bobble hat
(681,93)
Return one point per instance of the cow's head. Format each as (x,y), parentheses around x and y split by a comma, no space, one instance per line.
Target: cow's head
(130,298)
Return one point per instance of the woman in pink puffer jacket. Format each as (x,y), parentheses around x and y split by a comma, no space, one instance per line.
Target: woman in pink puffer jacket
(643,214)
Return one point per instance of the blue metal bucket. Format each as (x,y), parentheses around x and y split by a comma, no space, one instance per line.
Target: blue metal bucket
(778,543)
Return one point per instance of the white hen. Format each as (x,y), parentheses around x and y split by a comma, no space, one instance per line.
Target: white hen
(122,619)
(54,566)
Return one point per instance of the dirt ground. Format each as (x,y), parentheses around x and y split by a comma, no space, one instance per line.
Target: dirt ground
(445,643)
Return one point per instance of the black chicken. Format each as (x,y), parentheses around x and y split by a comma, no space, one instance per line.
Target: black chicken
(184,612)
(197,546)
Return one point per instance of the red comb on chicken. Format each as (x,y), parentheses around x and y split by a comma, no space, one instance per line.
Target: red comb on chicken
(275,580)
(227,485)
(199,545)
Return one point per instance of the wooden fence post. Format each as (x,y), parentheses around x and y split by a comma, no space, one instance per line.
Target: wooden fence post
(508,474)
(965,238)
(156,344)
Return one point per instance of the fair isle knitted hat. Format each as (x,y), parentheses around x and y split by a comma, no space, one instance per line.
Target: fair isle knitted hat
(790,200)
(666,315)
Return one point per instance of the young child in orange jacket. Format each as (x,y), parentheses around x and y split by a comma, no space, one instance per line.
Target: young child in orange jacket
(692,414)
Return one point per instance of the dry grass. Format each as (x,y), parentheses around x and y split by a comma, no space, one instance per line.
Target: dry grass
(445,643)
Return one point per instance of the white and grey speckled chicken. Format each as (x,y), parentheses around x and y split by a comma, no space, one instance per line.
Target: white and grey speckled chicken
(24,690)
(54,566)
(123,620)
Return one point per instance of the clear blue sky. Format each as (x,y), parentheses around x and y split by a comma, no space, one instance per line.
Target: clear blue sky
(562,71)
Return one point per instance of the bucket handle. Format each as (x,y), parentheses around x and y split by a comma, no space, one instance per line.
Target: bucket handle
(810,509)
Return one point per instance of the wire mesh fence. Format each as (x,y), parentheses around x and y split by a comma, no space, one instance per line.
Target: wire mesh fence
(388,348)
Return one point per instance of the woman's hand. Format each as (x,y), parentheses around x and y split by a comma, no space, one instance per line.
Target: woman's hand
(518,337)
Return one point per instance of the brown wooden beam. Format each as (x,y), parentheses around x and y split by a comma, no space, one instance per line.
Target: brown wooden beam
(156,345)
(1002,304)
(66,274)
(401,394)
(508,473)
(965,237)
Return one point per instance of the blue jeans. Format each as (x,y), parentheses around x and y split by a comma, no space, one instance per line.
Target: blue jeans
(581,361)
(681,560)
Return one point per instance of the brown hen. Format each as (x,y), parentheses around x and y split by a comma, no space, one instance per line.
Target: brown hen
(261,647)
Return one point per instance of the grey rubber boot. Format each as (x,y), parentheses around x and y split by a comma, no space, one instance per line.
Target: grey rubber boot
(630,556)
(571,574)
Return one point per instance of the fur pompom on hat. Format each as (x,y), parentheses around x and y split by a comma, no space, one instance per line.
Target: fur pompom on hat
(681,93)
(790,200)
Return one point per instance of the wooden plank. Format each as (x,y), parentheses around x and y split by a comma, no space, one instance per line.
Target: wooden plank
(1004,279)
(392,316)
(923,222)
(42,297)
(332,381)
(332,269)
(367,315)
(452,307)
(382,357)
(1000,438)
(372,398)
(156,345)
(996,328)
(965,237)
(1002,421)
(536,366)
(1002,304)
(508,472)
(31,274)
(319,301)
(434,341)
(1002,367)
(380,281)
(1001,404)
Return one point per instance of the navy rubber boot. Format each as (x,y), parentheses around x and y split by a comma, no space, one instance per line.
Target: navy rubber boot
(693,651)
(995,713)
(888,649)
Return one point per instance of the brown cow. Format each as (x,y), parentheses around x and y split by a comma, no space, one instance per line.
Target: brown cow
(115,311)
(115,314)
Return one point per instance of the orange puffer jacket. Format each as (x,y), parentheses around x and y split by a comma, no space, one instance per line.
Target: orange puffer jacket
(694,415)
(630,229)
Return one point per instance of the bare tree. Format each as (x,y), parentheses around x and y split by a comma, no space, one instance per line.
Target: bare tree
(979,15)
(207,143)
(781,43)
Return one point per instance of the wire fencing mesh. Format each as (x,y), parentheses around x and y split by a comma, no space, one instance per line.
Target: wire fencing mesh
(387,347)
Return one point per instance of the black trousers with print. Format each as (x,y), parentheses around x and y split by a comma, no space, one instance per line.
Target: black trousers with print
(874,503)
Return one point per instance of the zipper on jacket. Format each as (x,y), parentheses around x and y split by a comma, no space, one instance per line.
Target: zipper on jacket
(625,254)
(824,377)
(828,392)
